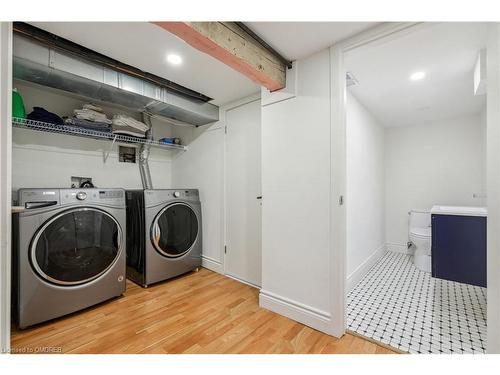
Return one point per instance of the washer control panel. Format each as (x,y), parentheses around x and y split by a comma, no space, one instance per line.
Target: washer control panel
(113,197)
(38,198)
(81,195)
(43,198)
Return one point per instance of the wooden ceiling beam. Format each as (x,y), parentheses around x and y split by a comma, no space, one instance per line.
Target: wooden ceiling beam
(232,45)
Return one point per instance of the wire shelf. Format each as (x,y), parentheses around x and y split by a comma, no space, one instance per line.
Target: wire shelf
(87,133)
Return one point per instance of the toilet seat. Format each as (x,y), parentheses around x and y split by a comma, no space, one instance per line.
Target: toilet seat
(421,232)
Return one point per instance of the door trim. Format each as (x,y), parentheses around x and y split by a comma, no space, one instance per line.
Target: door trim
(338,224)
(493,189)
(5,181)
(338,267)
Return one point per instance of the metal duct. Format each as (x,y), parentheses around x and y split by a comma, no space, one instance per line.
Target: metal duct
(147,183)
(37,63)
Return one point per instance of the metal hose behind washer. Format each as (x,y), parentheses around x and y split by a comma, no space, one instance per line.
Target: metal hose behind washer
(147,183)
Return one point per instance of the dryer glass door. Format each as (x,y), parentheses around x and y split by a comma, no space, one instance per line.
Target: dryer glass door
(76,246)
(174,230)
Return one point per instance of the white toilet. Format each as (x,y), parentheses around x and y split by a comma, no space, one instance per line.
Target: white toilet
(419,235)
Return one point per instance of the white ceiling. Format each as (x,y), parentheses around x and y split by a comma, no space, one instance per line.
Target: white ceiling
(446,52)
(145,46)
(295,40)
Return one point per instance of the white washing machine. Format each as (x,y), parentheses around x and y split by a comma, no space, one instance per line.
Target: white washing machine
(68,251)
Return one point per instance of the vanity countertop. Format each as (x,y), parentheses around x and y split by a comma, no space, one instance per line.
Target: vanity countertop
(459,210)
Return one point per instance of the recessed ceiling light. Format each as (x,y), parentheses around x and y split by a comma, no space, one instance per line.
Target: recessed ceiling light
(417,76)
(174,59)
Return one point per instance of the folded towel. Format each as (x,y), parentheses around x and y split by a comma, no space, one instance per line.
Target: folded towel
(128,130)
(91,115)
(126,121)
(92,107)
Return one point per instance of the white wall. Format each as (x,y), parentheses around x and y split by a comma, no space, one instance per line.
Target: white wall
(365,194)
(202,167)
(436,163)
(296,198)
(49,160)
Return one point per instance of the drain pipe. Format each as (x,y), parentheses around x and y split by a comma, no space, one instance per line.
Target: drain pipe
(147,183)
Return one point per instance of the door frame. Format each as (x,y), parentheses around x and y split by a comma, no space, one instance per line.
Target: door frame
(338,109)
(493,188)
(223,111)
(378,34)
(5,181)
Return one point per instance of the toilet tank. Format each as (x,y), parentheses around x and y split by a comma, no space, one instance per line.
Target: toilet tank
(420,218)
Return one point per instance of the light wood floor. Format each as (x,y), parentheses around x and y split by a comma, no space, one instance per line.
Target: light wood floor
(201,312)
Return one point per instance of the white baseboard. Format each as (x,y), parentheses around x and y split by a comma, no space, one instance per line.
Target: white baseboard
(242,281)
(212,264)
(357,275)
(398,248)
(299,312)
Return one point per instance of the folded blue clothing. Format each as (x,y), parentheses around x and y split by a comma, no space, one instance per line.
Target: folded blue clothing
(102,130)
(41,114)
(89,125)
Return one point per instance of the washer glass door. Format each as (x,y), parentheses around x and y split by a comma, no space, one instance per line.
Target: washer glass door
(174,230)
(76,246)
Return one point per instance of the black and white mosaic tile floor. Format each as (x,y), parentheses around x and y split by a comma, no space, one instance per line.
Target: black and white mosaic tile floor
(401,306)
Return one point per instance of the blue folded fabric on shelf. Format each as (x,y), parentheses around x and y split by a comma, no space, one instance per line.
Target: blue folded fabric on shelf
(41,114)
(89,125)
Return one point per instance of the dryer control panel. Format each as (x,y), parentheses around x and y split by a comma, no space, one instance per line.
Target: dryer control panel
(162,196)
(183,194)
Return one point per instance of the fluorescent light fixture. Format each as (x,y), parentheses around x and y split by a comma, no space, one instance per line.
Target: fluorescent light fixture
(174,59)
(417,76)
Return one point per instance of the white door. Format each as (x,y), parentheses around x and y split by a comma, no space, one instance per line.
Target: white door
(243,193)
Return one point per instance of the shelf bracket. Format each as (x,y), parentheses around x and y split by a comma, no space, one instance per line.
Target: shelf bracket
(106,155)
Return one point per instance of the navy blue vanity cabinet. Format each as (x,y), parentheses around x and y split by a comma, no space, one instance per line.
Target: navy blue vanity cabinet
(459,248)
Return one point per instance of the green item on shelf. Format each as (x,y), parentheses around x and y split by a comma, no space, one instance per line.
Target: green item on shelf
(18,109)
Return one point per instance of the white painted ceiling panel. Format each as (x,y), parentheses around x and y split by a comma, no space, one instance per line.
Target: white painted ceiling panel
(446,52)
(296,40)
(145,46)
